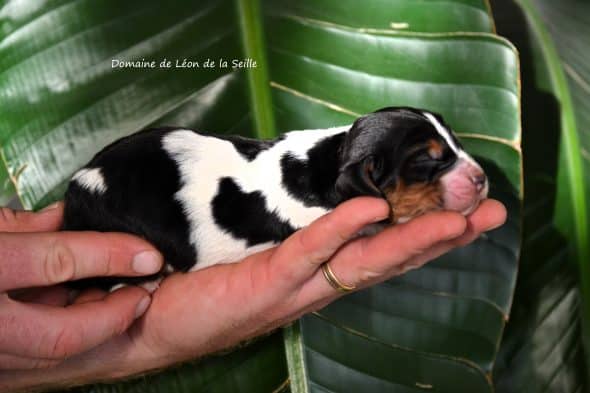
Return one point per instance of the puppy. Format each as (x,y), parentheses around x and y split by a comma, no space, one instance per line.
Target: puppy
(203,199)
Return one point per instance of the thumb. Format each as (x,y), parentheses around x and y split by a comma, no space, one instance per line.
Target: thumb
(48,219)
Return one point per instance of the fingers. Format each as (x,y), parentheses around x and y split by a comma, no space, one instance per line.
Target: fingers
(301,254)
(490,215)
(42,259)
(43,332)
(49,219)
(368,260)
(403,247)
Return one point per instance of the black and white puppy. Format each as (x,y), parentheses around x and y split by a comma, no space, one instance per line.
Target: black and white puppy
(203,199)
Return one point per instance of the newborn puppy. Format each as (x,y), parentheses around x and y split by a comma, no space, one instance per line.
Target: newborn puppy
(203,199)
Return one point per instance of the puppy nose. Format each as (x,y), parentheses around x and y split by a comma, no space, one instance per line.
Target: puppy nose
(480,181)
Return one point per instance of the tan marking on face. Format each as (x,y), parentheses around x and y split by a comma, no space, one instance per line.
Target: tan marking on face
(435,149)
(413,200)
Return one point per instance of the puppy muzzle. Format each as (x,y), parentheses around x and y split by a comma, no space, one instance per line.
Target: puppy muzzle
(464,186)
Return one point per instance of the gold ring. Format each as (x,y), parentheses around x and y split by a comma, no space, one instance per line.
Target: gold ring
(334,281)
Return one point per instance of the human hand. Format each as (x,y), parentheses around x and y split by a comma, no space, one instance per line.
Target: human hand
(38,328)
(205,311)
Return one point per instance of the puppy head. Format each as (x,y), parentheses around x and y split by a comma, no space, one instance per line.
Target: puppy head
(412,159)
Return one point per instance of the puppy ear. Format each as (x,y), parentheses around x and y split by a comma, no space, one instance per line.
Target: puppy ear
(357,179)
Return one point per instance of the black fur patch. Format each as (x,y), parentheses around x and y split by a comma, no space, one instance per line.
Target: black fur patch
(248,148)
(134,167)
(312,181)
(245,216)
(420,114)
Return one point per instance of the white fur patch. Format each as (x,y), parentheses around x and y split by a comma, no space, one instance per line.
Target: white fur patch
(442,131)
(91,179)
(204,160)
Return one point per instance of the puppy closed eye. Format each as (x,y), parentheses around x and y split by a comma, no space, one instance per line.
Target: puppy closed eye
(426,167)
(431,154)
(425,157)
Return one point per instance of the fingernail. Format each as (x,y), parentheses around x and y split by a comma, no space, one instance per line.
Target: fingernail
(380,218)
(142,306)
(492,227)
(147,262)
(53,206)
(151,286)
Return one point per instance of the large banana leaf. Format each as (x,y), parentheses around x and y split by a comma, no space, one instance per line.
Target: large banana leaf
(569,24)
(542,348)
(568,21)
(572,215)
(438,328)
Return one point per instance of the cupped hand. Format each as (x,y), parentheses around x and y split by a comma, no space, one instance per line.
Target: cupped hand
(38,328)
(205,311)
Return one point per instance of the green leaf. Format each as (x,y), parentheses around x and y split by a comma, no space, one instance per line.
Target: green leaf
(572,214)
(542,347)
(326,65)
(259,367)
(572,203)
(394,15)
(569,24)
